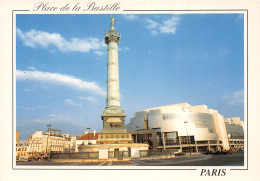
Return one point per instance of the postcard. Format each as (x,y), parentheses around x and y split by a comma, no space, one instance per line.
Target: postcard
(141,90)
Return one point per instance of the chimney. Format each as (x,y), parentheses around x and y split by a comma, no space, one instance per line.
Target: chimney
(86,132)
(94,131)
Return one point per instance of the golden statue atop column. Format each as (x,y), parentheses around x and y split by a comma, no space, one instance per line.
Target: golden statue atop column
(112,21)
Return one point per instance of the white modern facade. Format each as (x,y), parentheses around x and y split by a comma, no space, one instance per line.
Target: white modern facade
(235,131)
(181,126)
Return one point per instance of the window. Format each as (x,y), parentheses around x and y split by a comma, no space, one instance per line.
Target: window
(159,139)
(171,138)
(187,139)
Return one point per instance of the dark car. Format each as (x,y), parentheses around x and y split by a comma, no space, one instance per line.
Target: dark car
(207,152)
(220,153)
(179,154)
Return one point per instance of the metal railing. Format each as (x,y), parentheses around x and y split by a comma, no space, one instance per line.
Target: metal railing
(78,155)
(168,152)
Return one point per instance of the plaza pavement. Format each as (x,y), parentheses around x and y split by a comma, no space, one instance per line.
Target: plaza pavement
(134,162)
(236,159)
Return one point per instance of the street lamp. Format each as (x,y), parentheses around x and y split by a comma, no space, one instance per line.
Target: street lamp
(186,122)
(88,135)
(47,139)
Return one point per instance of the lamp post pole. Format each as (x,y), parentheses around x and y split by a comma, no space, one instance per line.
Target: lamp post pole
(47,139)
(88,134)
(186,122)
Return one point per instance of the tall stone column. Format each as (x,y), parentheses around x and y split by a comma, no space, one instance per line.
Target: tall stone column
(113,116)
(112,41)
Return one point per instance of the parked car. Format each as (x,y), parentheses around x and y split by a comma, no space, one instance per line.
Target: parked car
(179,154)
(22,159)
(229,152)
(223,152)
(207,152)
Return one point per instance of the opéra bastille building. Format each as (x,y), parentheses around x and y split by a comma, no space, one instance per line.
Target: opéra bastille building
(188,128)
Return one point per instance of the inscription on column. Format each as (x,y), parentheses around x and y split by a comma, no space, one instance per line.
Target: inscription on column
(113,120)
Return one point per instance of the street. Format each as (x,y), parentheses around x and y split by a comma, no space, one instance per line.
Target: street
(235,159)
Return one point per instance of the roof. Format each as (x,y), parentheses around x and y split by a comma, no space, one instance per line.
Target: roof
(89,136)
(184,104)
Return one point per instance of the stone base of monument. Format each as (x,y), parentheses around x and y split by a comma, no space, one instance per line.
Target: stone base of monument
(113,120)
(116,151)
(114,138)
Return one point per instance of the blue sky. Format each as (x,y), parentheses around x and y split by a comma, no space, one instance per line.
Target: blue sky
(163,59)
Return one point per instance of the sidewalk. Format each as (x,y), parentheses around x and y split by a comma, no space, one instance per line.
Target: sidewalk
(176,159)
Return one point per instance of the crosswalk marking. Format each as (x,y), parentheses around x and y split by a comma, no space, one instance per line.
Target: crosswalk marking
(102,163)
(137,162)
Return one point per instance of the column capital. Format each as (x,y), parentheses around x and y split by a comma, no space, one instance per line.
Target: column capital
(112,35)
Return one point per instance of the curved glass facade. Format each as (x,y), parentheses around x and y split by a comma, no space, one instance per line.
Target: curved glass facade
(182,125)
(201,120)
(235,131)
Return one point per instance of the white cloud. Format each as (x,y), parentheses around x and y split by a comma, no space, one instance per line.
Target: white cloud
(70,121)
(166,26)
(151,24)
(27,90)
(40,86)
(89,98)
(238,94)
(72,103)
(131,16)
(61,79)
(57,117)
(35,39)
(124,49)
(45,121)
(99,53)
(53,118)
(41,107)
(64,119)
(26,108)
(169,26)
(56,120)
(236,97)
(31,68)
